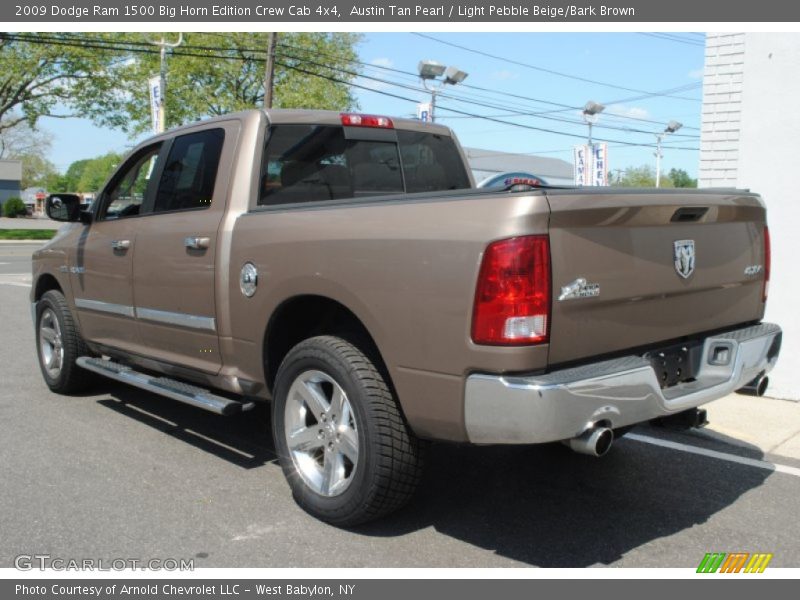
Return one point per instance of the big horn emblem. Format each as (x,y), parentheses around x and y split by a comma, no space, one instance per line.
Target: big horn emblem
(684,257)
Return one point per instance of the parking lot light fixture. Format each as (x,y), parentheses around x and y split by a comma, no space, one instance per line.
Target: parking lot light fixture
(431,71)
(591,110)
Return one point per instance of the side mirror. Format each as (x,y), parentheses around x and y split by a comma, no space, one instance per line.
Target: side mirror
(63,207)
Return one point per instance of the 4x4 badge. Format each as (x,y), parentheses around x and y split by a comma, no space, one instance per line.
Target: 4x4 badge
(684,257)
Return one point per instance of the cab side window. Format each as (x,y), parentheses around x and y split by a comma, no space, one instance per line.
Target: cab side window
(126,194)
(190,171)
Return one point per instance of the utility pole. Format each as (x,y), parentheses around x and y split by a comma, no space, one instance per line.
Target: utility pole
(269,71)
(162,109)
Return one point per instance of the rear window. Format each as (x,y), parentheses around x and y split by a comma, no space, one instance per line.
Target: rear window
(308,163)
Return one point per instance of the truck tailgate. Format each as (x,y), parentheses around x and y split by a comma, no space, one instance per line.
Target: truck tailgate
(624,244)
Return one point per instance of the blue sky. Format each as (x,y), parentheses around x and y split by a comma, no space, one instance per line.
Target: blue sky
(641,62)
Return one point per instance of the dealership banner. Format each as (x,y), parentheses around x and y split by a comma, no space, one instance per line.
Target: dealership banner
(333,11)
(581,160)
(599,175)
(591,164)
(154,85)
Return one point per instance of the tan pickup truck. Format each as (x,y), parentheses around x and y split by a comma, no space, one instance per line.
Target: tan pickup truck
(342,267)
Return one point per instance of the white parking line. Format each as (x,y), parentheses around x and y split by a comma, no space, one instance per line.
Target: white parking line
(15,284)
(16,279)
(750,462)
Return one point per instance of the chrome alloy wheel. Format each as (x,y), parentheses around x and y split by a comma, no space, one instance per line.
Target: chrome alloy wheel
(321,433)
(51,346)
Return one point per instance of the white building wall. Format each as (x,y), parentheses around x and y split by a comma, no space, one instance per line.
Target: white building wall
(752,95)
(722,106)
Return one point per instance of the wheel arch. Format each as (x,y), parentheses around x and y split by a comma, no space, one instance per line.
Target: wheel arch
(303,316)
(44,283)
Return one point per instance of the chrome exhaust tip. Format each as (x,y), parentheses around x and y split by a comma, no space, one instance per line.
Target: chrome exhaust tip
(757,387)
(595,441)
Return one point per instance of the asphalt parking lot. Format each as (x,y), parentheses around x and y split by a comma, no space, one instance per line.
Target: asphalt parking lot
(125,474)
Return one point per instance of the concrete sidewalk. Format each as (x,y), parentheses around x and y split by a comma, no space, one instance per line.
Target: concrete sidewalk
(28,223)
(769,424)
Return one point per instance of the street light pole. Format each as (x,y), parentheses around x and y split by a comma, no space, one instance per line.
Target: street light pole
(671,127)
(430,70)
(590,114)
(659,137)
(162,108)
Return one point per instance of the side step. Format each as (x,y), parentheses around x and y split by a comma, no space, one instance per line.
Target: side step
(164,386)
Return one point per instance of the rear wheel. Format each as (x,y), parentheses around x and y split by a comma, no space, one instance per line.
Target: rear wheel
(59,344)
(343,445)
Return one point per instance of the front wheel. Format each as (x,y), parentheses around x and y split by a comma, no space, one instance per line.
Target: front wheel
(59,344)
(343,445)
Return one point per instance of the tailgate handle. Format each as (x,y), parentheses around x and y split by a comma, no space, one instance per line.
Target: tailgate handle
(689,214)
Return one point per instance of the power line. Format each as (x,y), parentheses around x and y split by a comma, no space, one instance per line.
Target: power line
(675,38)
(544,70)
(478,116)
(457,98)
(110,44)
(471,100)
(144,50)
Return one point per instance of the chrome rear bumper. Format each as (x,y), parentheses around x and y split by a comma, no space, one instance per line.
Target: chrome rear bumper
(522,409)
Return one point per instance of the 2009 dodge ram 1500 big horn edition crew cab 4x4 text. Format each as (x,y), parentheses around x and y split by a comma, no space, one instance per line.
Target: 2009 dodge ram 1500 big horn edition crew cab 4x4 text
(340,266)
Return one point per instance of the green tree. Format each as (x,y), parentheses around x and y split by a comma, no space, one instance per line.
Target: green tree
(14,207)
(29,145)
(103,76)
(643,176)
(40,78)
(96,171)
(37,171)
(681,179)
(21,140)
(212,74)
(73,175)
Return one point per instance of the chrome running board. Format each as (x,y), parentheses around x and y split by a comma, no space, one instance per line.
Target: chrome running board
(164,386)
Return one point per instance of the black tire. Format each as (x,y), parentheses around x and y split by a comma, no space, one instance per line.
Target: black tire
(390,458)
(70,378)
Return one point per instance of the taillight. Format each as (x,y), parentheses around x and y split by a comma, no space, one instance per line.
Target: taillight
(356,120)
(512,298)
(767,261)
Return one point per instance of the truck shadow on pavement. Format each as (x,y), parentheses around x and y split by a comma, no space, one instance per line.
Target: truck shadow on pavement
(243,439)
(540,505)
(546,506)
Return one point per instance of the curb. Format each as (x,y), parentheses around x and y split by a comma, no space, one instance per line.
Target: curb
(17,242)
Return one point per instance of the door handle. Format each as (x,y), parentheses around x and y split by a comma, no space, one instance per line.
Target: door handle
(121,244)
(197,243)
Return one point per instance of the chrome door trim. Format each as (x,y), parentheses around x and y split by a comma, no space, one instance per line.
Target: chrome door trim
(106,307)
(176,318)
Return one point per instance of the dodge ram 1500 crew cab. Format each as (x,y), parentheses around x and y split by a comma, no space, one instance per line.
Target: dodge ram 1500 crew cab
(342,267)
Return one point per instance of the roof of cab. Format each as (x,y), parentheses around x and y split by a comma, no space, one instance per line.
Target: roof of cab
(299,116)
